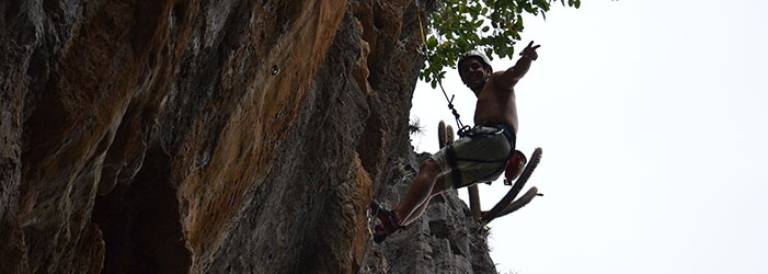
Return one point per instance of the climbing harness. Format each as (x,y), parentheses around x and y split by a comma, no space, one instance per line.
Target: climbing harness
(463,129)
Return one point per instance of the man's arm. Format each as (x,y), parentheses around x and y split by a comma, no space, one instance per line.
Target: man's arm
(509,78)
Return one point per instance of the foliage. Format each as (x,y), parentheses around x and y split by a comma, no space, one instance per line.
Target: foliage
(493,26)
(414,126)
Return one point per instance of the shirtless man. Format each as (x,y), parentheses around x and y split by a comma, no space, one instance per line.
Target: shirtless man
(481,155)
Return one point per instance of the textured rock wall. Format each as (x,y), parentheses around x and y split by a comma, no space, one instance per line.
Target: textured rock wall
(12,89)
(212,137)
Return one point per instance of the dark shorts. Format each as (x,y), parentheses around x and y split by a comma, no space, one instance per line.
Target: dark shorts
(479,157)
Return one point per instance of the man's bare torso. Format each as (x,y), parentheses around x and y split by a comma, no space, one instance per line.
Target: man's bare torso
(496,105)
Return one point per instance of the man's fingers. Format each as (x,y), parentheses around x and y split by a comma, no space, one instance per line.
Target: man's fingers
(530,49)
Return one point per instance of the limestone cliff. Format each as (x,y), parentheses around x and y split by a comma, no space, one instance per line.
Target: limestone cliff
(213,137)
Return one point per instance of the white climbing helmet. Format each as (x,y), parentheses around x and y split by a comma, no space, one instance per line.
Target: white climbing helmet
(475,53)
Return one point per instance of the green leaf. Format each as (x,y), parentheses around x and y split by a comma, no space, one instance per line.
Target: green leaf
(491,25)
(431,42)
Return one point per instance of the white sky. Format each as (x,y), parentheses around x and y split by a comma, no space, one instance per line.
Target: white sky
(652,117)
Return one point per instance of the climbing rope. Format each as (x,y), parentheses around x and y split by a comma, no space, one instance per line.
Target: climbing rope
(370,215)
(463,129)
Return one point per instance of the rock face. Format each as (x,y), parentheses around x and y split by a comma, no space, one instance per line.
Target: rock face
(213,137)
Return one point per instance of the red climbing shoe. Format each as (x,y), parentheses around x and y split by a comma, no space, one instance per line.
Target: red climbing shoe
(388,222)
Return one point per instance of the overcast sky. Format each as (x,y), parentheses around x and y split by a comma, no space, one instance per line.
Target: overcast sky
(653,119)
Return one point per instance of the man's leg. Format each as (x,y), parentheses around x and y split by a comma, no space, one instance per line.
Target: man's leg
(419,193)
(436,190)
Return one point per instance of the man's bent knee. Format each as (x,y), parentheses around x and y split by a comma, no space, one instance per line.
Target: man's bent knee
(430,168)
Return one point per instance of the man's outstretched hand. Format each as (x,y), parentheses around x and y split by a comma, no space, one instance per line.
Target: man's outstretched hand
(530,51)
(513,74)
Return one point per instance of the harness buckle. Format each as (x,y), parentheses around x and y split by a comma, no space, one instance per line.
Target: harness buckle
(465,131)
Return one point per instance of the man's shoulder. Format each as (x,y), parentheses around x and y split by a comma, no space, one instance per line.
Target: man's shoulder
(497,81)
(496,74)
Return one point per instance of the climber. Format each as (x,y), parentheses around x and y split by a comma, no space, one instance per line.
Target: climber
(482,154)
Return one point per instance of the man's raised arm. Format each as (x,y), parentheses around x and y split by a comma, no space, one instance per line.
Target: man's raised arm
(509,78)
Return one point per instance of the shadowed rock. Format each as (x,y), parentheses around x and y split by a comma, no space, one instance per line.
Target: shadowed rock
(212,137)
